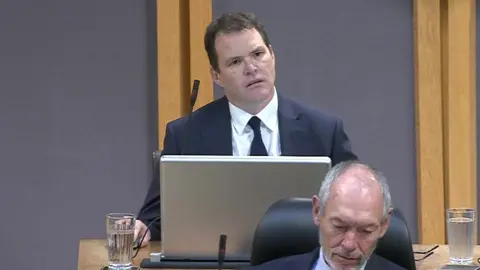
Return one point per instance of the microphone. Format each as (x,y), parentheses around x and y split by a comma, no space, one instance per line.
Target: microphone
(193,97)
(222,245)
(193,100)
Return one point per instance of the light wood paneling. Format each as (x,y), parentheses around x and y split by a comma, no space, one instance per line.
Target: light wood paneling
(200,16)
(428,105)
(445,73)
(172,60)
(459,91)
(181,58)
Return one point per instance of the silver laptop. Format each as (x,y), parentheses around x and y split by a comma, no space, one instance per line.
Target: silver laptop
(203,197)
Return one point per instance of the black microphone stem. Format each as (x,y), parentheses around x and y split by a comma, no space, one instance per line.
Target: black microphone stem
(193,100)
(222,245)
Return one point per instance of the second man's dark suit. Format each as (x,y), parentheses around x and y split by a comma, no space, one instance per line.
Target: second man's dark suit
(306,262)
(304,131)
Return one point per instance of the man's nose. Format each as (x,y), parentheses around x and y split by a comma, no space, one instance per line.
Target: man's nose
(250,67)
(349,242)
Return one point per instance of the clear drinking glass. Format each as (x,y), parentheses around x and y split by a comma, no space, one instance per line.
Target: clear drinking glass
(460,232)
(120,233)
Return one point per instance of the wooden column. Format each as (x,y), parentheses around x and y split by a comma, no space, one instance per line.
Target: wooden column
(181,58)
(445,74)
(459,91)
(200,15)
(429,128)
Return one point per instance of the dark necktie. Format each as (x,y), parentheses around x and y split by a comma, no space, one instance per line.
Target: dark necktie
(257,148)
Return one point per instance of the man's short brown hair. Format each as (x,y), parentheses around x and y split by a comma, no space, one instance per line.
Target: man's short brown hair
(230,23)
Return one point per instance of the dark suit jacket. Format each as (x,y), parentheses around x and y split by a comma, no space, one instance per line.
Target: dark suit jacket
(307,260)
(304,131)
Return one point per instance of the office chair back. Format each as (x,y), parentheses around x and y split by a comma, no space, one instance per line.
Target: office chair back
(287,228)
(156,155)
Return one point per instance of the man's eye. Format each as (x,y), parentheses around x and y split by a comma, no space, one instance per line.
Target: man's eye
(235,62)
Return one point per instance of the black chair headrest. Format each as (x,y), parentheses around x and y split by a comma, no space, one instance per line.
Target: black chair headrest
(156,155)
(287,228)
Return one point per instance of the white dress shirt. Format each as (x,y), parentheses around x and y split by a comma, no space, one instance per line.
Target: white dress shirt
(242,133)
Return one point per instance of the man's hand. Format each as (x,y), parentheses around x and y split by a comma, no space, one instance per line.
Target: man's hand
(140,229)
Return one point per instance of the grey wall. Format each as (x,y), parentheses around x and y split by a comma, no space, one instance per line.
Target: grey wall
(77,123)
(355,59)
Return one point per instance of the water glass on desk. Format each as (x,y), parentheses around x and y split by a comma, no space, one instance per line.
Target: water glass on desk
(460,232)
(120,236)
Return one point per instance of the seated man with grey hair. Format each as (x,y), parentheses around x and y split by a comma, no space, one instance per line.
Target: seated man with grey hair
(352,211)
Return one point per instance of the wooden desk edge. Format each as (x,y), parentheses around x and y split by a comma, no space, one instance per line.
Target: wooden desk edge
(92,254)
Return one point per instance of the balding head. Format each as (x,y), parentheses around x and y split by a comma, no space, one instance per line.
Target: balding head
(356,181)
(352,211)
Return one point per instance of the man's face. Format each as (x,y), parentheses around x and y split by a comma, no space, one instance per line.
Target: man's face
(246,68)
(350,226)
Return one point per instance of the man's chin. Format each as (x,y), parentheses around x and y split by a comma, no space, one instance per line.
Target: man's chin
(341,262)
(342,267)
(338,266)
(260,98)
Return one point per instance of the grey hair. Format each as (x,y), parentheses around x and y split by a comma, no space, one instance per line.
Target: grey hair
(339,169)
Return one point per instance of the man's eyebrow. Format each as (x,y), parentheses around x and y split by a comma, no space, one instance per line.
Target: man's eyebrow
(337,219)
(370,225)
(258,48)
(233,58)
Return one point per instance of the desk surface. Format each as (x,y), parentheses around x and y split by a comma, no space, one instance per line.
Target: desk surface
(92,254)
(439,257)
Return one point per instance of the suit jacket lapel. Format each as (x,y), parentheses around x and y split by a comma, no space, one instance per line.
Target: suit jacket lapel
(294,135)
(295,138)
(217,131)
(373,263)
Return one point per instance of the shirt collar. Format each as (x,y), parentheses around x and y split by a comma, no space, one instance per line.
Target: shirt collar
(268,115)
(321,262)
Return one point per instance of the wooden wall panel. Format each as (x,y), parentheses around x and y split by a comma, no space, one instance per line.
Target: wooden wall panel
(181,58)
(460,142)
(172,65)
(445,72)
(429,140)
(200,16)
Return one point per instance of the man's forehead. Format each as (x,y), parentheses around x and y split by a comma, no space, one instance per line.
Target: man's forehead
(357,181)
(358,218)
(355,198)
(239,41)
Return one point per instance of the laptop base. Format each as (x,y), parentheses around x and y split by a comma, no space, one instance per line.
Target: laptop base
(192,264)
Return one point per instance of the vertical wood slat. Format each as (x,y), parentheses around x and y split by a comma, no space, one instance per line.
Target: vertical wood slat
(460,103)
(428,111)
(181,58)
(200,15)
(172,63)
(445,111)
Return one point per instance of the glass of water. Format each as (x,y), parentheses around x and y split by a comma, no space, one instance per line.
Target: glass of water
(460,229)
(120,233)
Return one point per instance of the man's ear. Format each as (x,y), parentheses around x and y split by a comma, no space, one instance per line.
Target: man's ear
(215,76)
(316,210)
(386,223)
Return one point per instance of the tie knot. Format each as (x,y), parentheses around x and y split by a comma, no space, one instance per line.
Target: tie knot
(254,123)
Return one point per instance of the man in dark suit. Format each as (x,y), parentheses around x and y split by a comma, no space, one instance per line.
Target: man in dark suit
(252,118)
(352,211)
